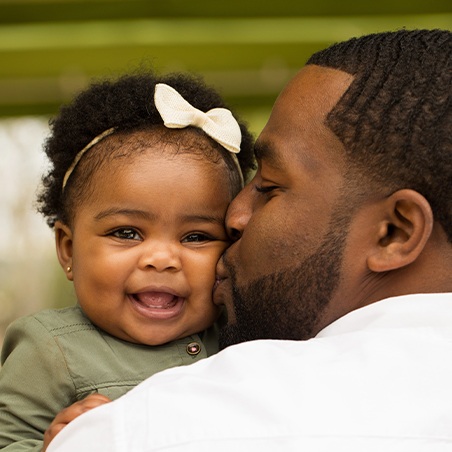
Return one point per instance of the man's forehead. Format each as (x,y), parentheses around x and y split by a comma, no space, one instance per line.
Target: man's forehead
(312,94)
(297,129)
(321,81)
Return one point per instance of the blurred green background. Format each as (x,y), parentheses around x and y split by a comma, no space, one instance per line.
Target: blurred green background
(51,49)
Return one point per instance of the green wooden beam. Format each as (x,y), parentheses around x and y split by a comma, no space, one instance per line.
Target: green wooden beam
(249,59)
(21,11)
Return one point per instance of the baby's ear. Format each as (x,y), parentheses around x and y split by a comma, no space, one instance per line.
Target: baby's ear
(63,242)
(405,227)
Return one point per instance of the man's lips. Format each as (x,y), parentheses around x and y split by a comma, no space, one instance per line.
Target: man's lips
(220,277)
(218,281)
(220,270)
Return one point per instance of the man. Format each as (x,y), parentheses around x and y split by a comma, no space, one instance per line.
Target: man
(343,245)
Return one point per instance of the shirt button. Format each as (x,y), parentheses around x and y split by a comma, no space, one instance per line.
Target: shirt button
(193,348)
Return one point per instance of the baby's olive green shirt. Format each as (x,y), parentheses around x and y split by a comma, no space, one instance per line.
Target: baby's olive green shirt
(56,357)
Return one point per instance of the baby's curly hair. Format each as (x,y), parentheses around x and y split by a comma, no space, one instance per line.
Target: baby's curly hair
(127,104)
(395,119)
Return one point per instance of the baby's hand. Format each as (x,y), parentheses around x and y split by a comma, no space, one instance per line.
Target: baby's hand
(70,413)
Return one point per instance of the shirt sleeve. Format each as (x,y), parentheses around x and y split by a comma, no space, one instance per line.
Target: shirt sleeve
(34,385)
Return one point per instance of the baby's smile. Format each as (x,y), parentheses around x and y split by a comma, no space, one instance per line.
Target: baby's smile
(160,304)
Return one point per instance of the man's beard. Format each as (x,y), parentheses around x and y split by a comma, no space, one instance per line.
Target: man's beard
(287,304)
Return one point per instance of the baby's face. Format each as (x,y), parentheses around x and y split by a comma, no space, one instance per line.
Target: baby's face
(144,246)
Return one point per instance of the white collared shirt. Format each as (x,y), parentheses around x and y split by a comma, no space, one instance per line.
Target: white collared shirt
(378,379)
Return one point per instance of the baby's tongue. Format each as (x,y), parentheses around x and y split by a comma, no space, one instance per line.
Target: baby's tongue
(159,300)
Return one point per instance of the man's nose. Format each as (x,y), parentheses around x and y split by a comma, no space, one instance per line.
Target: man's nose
(239,213)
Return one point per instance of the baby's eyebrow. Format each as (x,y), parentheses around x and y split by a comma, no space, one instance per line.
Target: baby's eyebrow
(125,212)
(193,218)
(149,216)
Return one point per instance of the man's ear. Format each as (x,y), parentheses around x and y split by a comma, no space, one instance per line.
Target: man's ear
(403,231)
(63,242)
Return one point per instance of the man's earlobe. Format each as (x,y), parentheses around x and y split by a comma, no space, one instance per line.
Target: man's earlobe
(63,242)
(404,229)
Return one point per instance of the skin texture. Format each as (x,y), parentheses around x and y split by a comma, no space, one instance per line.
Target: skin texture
(313,280)
(288,206)
(142,249)
(313,243)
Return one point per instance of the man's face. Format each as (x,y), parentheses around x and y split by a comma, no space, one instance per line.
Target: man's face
(279,277)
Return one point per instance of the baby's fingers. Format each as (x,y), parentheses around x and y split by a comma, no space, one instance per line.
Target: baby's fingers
(76,409)
(70,413)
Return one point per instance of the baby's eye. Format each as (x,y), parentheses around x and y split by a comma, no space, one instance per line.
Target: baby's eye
(197,237)
(126,234)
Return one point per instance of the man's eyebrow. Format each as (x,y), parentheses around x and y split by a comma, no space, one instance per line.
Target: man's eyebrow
(264,151)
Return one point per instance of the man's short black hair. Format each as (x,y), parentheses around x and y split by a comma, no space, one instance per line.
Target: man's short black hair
(395,119)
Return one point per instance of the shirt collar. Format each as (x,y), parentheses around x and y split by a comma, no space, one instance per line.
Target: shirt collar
(407,311)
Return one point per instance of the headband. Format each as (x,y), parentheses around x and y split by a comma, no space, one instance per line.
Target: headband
(177,113)
(82,152)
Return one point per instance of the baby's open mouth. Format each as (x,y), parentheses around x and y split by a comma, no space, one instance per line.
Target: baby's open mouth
(156,305)
(156,300)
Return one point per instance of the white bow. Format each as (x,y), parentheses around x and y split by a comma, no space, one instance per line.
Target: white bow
(177,113)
